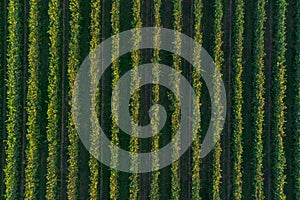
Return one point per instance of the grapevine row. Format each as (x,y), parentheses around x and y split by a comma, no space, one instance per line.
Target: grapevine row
(197,84)
(238,98)
(54,94)
(218,59)
(135,105)
(73,65)
(259,101)
(14,104)
(33,104)
(115,23)
(175,118)
(95,31)
(279,177)
(154,192)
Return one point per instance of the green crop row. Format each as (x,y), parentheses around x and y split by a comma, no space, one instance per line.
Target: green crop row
(259,101)
(54,94)
(197,84)
(115,23)
(279,177)
(154,191)
(237,152)
(95,32)
(175,118)
(14,101)
(33,106)
(73,65)
(135,104)
(218,59)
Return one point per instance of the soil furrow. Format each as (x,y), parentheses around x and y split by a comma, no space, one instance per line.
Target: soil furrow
(4,92)
(269,44)
(63,101)
(25,66)
(229,90)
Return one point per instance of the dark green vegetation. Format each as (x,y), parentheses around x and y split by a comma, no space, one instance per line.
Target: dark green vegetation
(279,90)
(218,56)
(73,65)
(55,98)
(255,46)
(259,100)
(238,98)
(14,118)
(33,104)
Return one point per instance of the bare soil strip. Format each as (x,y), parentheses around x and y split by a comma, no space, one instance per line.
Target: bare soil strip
(229,93)
(25,66)
(269,102)
(63,102)
(4,92)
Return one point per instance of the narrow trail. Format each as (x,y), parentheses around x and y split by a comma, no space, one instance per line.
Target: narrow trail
(150,11)
(63,101)
(24,81)
(4,91)
(229,91)
(145,179)
(189,172)
(102,99)
(268,104)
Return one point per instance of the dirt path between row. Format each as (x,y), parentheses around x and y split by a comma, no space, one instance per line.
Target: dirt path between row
(191,67)
(63,101)
(102,99)
(24,115)
(229,93)
(146,98)
(268,104)
(4,93)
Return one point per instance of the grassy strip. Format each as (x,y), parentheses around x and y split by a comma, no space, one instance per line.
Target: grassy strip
(197,84)
(259,101)
(279,177)
(73,65)
(33,104)
(95,31)
(219,59)
(53,112)
(115,23)
(297,105)
(135,105)
(14,104)
(175,118)
(238,98)
(154,191)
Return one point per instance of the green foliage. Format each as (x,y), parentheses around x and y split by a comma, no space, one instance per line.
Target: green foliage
(14,100)
(218,59)
(33,106)
(259,101)
(73,65)
(154,190)
(135,105)
(175,118)
(115,23)
(238,98)
(279,108)
(95,31)
(54,94)
(297,104)
(197,84)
